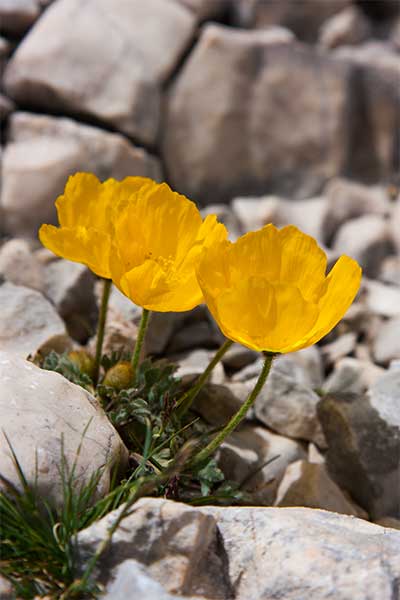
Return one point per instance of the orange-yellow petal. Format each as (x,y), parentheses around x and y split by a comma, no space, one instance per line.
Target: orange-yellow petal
(87,246)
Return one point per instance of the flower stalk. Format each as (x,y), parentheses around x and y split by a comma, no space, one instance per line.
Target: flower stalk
(185,402)
(144,321)
(239,416)
(100,328)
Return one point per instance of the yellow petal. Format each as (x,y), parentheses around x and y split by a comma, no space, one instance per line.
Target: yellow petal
(264,316)
(343,283)
(87,246)
(303,262)
(75,206)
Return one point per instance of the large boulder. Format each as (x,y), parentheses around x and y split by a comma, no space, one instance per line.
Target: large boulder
(363,435)
(248,136)
(40,155)
(248,552)
(46,419)
(65,64)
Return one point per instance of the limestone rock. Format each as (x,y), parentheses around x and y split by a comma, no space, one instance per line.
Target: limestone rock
(16,16)
(248,77)
(288,404)
(206,9)
(53,66)
(368,240)
(390,270)
(339,348)
(194,364)
(6,107)
(381,299)
(348,200)
(256,459)
(70,287)
(387,342)
(363,435)
(43,151)
(216,404)
(29,323)
(238,357)
(40,411)
(352,375)
(19,266)
(252,552)
(346,28)
(304,19)
(306,484)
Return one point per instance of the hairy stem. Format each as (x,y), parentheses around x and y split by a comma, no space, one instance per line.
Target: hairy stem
(100,328)
(238,417)
(185,402)
(144,321)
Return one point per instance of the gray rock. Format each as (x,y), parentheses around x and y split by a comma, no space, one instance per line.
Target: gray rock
(193,335)
(45,416)
(256,459)
(368,240)
(19,265)
(16,16)
(238,357)
(132,578)
(287,403)
(216,404)
(252,79)
(381,299)
(349,27)
(348,200)
(6,107)
(120,336)
(194,364)
(352,375)
(43,151)
(253,552)
(363,435)
(206,9)
(390,270)
(175,542)
(29,323)
(306,484)
(304,19)
(70,287)
(386,345)
(225,215)
(339,348)
(53,66)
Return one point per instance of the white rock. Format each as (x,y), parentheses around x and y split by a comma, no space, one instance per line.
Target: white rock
(16,16)
(386,345)
(19,265)
(368,240)
(195,363)
(43,416)
(346,28)
(43,151)
(352,375)
(288,404)
(29,323)
(381,299)
(72,69)
(252,553)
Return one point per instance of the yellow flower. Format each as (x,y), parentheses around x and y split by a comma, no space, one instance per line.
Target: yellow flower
(159,238)
(269,290)
(86,212)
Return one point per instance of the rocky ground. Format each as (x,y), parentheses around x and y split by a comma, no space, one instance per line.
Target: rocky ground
(261,112)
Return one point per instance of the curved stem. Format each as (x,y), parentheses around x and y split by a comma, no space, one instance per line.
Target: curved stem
(100,327)
(185,402)
(144,321)
(238,417)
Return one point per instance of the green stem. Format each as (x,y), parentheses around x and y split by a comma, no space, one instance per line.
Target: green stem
(238,417)
(185,402)
(144,321)
(100,328)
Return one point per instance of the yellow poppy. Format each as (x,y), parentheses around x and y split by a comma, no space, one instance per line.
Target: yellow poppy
(269,291)
(86,212)
(159,238)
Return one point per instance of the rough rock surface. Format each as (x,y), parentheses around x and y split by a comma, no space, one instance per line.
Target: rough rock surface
(118,83)
(248,77)
(19,266)
(29,323)
(288,404)
(43,416)
(363,436)
(257,553)
(43,151)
